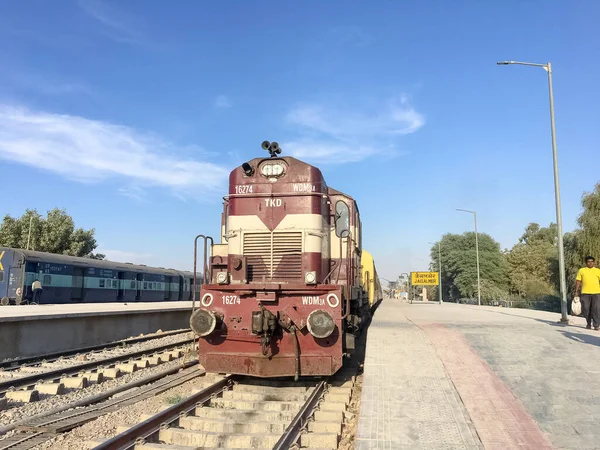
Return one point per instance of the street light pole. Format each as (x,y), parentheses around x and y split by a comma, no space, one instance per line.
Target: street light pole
(561,251)
(407,285)
(439,267)
(476,254)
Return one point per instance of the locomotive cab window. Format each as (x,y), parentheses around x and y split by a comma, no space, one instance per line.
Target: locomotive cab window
(342,219)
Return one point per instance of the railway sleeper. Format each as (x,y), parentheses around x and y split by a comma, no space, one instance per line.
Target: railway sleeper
(183,436)
(24,396)
(50,388)
(267,405)
(75,382)
(221,426)
(111,373)
(260,389)
(94,377)
(257,396)
(244,414)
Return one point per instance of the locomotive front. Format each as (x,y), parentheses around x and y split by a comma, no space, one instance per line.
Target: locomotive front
(270,308)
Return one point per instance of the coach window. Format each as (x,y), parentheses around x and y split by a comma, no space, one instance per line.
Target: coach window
(47,280)
(342,218)
(101,282)
(1,277)
(145,285)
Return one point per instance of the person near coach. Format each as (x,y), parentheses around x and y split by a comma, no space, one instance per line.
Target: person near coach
(588,285)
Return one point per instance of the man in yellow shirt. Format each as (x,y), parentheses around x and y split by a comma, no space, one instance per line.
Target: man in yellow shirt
(588,283)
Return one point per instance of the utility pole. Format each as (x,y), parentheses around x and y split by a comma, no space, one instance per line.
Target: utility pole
(439,244)
(476,254)
(29,235)
(561,250)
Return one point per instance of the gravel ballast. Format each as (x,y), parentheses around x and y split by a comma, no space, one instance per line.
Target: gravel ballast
(48,402)
(105,427)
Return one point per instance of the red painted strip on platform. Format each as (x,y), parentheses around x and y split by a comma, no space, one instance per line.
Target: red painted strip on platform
(499,417)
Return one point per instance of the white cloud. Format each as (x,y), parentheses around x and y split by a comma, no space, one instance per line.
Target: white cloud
(116,24)
(93,151)
(49,86)
(223,102)
(338,135)
(328,152)
(124,256)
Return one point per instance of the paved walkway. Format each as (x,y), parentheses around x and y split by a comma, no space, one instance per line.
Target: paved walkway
(467,377)
(35,312)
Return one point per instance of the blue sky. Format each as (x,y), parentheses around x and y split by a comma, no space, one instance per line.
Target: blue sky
(131,114)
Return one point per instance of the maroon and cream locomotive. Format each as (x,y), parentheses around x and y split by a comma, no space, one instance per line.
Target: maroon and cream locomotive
(283,294)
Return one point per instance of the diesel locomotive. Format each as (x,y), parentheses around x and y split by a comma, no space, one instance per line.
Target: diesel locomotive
(289,286)
(69,279)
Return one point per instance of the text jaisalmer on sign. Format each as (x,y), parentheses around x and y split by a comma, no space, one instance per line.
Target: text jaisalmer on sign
(424,278)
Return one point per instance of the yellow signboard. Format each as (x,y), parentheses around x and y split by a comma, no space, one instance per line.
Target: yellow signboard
(425,278)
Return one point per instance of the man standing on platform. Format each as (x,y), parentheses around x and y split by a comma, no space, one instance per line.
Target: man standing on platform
(588,283)
(37,291)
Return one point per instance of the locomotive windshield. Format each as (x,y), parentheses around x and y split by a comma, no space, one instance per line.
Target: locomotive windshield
(342,218)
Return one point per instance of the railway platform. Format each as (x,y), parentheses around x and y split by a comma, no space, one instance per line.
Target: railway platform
(31,330)
(476,377)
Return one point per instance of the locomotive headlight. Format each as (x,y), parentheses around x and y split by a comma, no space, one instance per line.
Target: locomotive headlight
(203,322)
(272,169)
(320,323)
(310,277)
(222,277)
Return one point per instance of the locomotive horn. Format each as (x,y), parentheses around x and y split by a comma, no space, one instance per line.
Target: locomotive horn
(275,147)
(266,145)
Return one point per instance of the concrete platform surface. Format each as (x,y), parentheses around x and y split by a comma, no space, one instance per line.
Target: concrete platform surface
(32,330)
(468,377)
(36,312)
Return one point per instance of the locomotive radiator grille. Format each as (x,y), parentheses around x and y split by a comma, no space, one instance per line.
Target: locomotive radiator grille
(273,256)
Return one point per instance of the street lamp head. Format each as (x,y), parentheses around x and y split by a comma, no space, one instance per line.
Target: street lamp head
(505,63)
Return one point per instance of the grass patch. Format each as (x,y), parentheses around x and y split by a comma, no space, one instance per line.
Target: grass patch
(174,399)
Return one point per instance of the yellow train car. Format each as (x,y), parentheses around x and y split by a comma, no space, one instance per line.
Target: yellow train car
(370,279)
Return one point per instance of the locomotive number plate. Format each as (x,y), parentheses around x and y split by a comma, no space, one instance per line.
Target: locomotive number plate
(230,299)
(243,189)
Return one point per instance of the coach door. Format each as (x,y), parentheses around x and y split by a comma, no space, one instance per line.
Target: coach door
(138,289)
(77,284)
(168,288)
(121,291)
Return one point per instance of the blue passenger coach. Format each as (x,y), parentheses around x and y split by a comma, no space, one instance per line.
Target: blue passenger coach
(68,279)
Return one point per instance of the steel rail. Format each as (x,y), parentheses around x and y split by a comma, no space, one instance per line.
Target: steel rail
(147,428)
(14,364)
(292,432)
(41,428)
(33,379)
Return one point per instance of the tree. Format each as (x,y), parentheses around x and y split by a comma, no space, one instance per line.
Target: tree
(583,241)
(589,221)
(56,233)
(535,234)
(459,266)
(531,262)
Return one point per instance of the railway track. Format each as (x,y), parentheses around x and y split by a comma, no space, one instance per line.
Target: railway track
(240,412)
(31,361)
(37,430)
(28,388)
